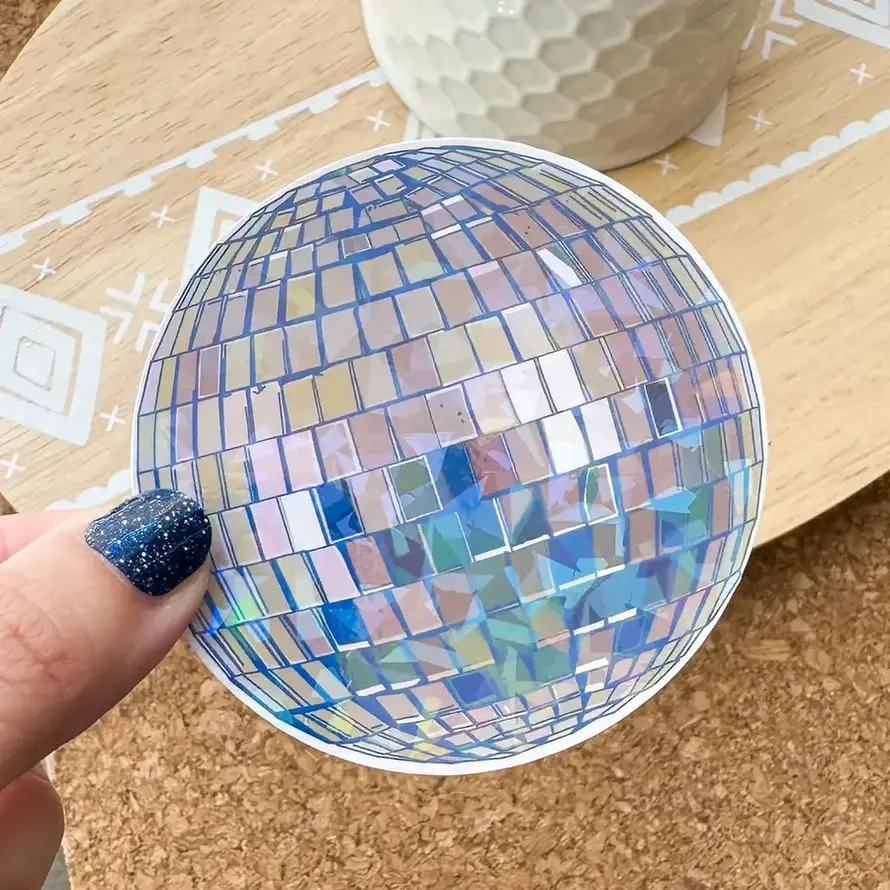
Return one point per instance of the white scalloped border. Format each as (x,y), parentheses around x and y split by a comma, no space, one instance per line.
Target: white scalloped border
(118,485)
(705,203)
(140,183)
(822,148)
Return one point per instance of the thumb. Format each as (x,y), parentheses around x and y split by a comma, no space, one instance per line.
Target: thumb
(31,826)
(86,611)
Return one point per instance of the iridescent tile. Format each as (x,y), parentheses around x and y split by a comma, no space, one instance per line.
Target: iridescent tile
(526,229)
(301,460)
(380,274)
(725,382)
(491,463)
(560,320)
(490,403)
(458,248)
(708,395)
(470,650)
(269,356)
(335,392)
(271,533)
(596,369)
(565,442)
(413,487)
(340,335)
(663,469)
(528,453)
(483,529)
(338,510)
(492,583)
(525,516)
(453,355)
(675,337)
(414,367)
(379,618)
(562,380)
(512,637)
(547,620)
(623,353)
(370,432)
(528,275)
(633,417)
(619,297)
(416,607)
(532,570)
(265,411)
(686,399)
(457,299)
(451,416)
(562,502)
(404,552)
(413,426)
(379,323)
(237,363)
(490,343)
(337,449)
(371,495)
(454,598)
(496,289)
(526,391)
(418,260)
(592,257)
(446,543)
(241,536)
(367,564)
(298,582)
(335,579)
(419,311)
(527,331)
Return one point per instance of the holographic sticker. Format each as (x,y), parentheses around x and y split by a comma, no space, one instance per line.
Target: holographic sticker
(482,445)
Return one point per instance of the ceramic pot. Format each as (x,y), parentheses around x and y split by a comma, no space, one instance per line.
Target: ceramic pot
(607,81)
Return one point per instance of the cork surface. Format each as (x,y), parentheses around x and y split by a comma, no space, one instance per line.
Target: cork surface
(765,764)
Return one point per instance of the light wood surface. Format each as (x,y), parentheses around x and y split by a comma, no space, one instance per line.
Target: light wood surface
(180,787)
(104,93)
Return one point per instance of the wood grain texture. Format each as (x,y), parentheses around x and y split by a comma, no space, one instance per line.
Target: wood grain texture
(763,765)
(103,93)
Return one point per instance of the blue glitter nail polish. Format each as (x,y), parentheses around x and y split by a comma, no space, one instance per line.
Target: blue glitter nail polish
(156,540)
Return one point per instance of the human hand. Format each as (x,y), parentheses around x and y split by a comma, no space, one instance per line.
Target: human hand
(88,606)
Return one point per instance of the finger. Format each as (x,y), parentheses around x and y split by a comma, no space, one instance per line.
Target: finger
(31,827)
(86,611)
(17,531)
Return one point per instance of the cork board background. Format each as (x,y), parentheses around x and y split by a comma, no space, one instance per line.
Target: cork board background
(764,764)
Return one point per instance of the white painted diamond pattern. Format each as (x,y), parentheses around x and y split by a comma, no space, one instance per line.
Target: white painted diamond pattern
(35,362)
(147,329)
(215,215)
(50,364)
(866,19)
(22,334)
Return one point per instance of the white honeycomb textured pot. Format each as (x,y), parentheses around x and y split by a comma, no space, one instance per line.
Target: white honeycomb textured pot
(607,81)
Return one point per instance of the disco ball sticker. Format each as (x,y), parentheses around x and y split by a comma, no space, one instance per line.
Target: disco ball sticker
(482,444)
